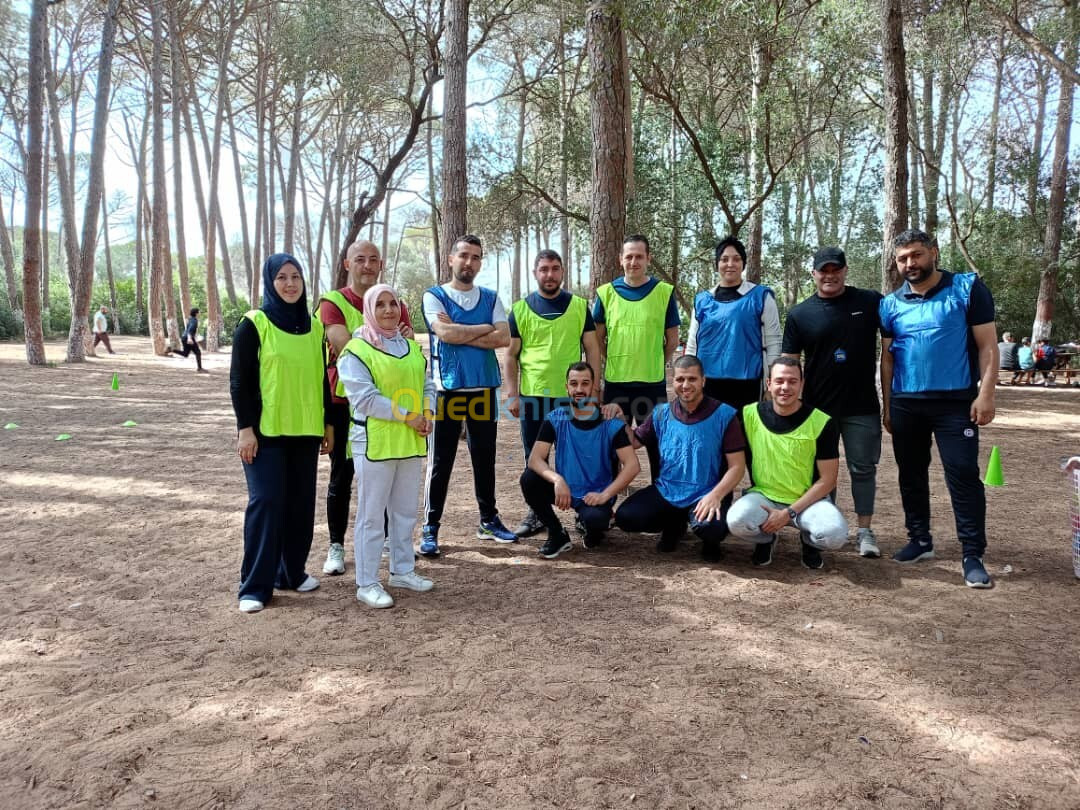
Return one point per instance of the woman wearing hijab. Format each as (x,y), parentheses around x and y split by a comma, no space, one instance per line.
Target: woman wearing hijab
(391,401)
(279,392)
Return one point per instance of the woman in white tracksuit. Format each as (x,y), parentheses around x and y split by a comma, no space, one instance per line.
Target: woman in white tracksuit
(391,402)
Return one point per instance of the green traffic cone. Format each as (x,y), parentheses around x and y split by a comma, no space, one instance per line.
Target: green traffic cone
(115,381)
(994,476)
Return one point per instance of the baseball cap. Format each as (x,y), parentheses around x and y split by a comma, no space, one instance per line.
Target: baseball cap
(829,255)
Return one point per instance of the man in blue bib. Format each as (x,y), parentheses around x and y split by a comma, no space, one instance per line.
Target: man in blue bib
(701,445)
(583,478)
(466,324)
(939,365)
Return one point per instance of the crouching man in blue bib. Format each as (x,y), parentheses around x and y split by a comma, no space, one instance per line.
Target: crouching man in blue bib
(794,460)
(701,449)
(583,479)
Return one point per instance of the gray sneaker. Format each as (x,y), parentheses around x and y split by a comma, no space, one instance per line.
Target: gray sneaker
(529,526)
(868,546)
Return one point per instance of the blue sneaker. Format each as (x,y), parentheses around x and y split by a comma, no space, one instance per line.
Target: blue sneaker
(429,542)
(914,551)
(975,573)
(494,530)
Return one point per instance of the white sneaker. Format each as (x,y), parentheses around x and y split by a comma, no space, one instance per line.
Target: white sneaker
(868,546)
(335,559)
(308,584)
(251,606)
(374,596)
(412,580)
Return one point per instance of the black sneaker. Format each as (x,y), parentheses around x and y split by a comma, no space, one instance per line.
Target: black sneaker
(593,540)
(811,557)
(711,550)
(914,551)
(669,541)
(555,545)
(762,555)
(975,575)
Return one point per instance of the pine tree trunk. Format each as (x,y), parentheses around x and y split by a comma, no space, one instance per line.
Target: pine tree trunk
(138,159)
(294,167)
(995,112)
(564,163)
(35,154)
(68,240)
(436,215)
(7,254)
(108,265)
(759,68)
(454,185)
(45,247)
(178,102)
(80,341)
(159,226)
(1042,88)
(894,72)
(1059,175)
(245,237)
(608,102)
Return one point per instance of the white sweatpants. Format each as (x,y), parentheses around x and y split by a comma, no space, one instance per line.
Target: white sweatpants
(390,486)
(823,524)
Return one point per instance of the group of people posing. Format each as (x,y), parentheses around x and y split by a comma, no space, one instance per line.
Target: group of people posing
(588,386)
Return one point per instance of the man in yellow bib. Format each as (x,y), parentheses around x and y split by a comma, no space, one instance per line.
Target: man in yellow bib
(549,329)
(794,459)
(637,326)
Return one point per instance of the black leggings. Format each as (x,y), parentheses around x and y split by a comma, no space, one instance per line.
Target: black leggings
(191,348)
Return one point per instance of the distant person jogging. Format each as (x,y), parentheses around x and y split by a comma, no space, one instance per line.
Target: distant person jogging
(189,341)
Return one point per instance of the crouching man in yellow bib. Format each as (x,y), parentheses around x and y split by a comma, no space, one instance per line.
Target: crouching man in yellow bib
(794,459)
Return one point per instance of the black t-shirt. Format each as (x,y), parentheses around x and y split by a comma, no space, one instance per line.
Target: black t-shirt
(549,308)
(839,338)
(547,430)
(726,294)
(828,441)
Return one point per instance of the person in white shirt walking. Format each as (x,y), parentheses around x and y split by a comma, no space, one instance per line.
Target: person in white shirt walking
(101,329)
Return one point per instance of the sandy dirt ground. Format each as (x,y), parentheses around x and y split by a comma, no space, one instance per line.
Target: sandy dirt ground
(616,678)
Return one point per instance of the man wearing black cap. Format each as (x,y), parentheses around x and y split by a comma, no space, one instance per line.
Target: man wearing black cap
(836,328)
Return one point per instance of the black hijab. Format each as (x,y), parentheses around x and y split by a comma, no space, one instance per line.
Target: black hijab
(292,318)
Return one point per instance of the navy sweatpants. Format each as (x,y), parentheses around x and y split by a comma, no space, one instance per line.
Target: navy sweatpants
(280,517)
(948,421)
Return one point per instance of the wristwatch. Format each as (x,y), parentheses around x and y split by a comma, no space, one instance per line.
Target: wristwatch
(792,514)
